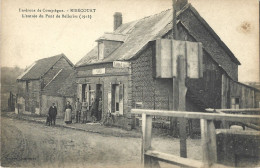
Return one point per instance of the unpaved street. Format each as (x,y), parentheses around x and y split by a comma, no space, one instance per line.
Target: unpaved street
(29,144)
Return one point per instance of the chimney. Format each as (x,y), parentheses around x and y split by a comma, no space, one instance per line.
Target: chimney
(180,4)
(117,20)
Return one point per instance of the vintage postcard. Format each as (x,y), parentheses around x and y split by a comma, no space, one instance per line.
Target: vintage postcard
(130,83)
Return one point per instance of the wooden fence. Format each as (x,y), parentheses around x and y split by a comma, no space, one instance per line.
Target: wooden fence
(151,157)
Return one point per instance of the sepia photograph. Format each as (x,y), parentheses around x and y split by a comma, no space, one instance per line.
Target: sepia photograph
(130,83)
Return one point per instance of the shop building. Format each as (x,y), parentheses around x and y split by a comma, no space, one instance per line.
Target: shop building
(120,69)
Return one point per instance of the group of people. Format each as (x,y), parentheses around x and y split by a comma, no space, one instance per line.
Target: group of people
(85,112)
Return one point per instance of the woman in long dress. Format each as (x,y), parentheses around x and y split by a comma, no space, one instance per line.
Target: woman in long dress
(68,113)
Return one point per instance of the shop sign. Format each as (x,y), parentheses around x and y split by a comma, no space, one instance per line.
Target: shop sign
(121,64)
(98,71)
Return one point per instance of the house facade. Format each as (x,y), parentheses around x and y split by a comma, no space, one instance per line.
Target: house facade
(34,84)
(121,68)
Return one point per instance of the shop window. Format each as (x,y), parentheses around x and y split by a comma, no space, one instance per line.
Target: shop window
(88,95)
(235,103)
(82,92)
(117,98)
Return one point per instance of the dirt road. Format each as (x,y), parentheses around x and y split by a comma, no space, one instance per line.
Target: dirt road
(29,144)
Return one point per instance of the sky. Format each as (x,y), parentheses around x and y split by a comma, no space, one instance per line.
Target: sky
(25,40)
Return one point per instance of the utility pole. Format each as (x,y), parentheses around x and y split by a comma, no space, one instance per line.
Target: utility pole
(179,89)
(173,120)
(174,21)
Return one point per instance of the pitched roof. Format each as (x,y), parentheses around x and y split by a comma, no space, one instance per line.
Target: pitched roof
(140,32)
(113,37)
(62,84)
(41,67)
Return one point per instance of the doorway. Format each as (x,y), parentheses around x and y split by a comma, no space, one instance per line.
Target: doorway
(117,98)
(99,99)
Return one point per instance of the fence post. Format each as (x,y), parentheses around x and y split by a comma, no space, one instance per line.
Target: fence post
(208,142)
(146,141)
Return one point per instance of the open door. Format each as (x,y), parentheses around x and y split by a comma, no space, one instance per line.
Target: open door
(99,96)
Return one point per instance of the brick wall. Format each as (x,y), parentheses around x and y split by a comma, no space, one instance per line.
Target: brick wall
(32,97)
(153,93)
(200,32)
(21,88)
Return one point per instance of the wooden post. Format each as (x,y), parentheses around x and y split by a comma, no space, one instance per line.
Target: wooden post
(146,142)
(181,68)
(208,142)
(146,135)
(174,21)
(173,121)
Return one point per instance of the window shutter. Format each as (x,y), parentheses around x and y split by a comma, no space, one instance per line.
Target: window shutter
(121,99)
(109,102)
(80,92)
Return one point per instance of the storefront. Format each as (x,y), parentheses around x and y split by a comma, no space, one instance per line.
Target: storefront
(108,84)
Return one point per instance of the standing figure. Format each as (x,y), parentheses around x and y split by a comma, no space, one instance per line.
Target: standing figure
(68,113)
(78,105)
(94,106)
(84,111)
(99,113)
(52,114)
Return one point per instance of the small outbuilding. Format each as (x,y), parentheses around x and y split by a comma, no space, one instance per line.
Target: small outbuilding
(39,85)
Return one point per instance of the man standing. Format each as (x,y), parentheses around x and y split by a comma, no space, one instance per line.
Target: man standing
(53,113)
(99,109)
(78,106)
(94,108)
(84,111)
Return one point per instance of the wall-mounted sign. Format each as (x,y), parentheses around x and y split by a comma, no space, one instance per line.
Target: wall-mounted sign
(98,71)
(121,64)
(167,53)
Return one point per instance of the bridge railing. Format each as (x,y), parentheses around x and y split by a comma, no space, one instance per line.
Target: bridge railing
(151,157)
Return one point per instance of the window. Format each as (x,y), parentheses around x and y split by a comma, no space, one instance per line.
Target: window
(117,98)
(88,95)
(100,50)
(82,91)
(235,103)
